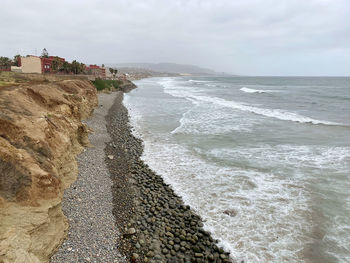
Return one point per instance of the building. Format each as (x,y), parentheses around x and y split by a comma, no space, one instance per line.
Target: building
(47,63)
(109,75)
(28,64)
(34,64)
(97,71)
(103,73)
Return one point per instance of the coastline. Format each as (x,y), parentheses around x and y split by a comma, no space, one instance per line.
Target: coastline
(41,133)
(156,226)
(87,203)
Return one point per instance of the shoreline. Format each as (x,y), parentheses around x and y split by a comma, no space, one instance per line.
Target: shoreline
(88,202)
(155,224)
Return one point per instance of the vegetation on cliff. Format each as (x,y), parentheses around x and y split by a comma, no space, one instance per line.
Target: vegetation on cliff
(113,85)
(102,84)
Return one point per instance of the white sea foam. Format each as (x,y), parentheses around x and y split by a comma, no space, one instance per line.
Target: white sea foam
(207,83)
(272,113)
(287,156)
(258,203)
(135,117)
(280,114)
(248,211)
(199,81)
(211,119)
(211,85)
(257,216)
(249,90)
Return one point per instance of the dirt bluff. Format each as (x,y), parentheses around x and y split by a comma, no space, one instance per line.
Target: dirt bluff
(40,135)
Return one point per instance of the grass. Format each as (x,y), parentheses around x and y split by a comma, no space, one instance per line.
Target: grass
(8,83)
(102,84)
(9,79)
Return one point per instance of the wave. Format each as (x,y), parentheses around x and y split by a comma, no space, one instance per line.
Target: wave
(248,90)
(199,81)
(247,193)
(211,119)
(263,190)
(286,156)
(272,113)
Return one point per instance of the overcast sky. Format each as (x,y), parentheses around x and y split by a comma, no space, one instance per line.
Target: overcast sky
(250,37)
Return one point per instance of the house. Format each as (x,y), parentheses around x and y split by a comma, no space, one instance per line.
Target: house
(47,64)
(97,71)
(34,64)
(28,64)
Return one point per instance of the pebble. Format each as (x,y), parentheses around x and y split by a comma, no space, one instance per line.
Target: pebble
(154,222)
(88,203)
(131,231)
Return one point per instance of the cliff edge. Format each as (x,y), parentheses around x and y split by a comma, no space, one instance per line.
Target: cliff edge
(40,135)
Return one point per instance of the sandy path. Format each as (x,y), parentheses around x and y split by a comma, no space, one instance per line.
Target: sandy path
(88,202)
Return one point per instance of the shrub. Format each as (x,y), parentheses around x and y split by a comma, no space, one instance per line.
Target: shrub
(102,84)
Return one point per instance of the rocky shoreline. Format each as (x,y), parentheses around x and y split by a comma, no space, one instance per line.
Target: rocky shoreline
(155,224)
(88,202)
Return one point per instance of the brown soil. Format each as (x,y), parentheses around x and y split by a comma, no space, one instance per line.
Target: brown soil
(40,135)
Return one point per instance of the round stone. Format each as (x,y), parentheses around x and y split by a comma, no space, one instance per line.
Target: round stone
(131,231)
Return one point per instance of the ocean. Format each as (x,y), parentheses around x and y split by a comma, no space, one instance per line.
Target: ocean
(265,161)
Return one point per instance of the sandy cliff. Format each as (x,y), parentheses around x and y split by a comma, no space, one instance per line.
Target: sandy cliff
(40,135)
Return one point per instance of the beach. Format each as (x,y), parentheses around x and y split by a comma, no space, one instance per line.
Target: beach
(88,202)
(152,222)
(263,160)
(178,162)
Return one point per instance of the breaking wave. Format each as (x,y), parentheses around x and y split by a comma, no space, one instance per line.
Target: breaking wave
(248,90)
(185,92)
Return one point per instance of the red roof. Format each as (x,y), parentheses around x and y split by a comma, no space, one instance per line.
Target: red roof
(94,67)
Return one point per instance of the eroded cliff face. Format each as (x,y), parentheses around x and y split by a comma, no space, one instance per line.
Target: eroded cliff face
(40,135)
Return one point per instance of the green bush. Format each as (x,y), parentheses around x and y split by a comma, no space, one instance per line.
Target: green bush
(102,84)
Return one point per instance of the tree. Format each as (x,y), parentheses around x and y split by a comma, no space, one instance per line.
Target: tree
(103,65)
(115,71)
(56,64)
(16,60)
(44,53)
(5,62)
(75,67)
(66,67)
(82,68)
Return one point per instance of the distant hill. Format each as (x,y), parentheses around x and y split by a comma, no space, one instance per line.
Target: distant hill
(169,68)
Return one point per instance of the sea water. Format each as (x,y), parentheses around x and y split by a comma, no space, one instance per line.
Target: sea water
(265,161)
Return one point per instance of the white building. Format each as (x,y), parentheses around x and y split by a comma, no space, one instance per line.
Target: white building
(28,64)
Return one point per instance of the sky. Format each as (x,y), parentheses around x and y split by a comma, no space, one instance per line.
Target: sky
(245,37)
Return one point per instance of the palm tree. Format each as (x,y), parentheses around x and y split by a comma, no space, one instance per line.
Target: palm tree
(44,53)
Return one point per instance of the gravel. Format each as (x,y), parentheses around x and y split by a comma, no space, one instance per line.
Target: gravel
(117,190)
(156,225)
(88,203)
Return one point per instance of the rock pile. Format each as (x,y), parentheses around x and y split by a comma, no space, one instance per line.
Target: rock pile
(156,225)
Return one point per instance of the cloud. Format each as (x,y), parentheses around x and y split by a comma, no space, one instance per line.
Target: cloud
(274,37)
